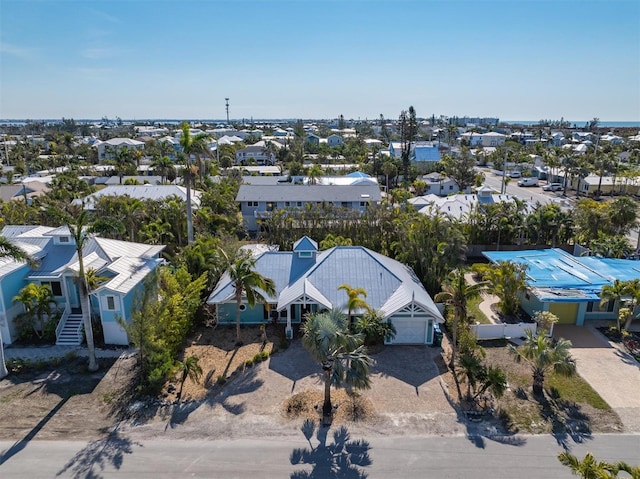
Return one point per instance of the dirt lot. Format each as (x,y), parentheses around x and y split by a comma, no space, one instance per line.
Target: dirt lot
(411,394)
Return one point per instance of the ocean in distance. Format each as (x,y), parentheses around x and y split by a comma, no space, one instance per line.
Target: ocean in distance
(580,124)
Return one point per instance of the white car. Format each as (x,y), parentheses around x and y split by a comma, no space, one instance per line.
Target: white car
(552,187)
(514,174)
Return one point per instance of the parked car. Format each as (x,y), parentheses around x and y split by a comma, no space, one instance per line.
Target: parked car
(528,182)
(552,187)
(515,174)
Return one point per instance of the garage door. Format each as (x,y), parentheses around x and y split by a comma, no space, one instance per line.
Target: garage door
(410,331)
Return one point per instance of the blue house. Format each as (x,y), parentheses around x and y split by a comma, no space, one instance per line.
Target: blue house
(307,281)
(568,286)
(122,265)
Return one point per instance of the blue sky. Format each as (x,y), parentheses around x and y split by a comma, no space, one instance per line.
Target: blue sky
(517,60)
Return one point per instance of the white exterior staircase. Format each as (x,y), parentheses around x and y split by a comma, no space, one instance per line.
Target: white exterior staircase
(69,330)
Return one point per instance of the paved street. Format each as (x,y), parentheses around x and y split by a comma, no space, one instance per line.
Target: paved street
(399,457)
(530,193)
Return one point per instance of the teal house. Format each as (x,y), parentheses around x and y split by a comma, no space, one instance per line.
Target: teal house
(568,286)
(122,265)
(307,281)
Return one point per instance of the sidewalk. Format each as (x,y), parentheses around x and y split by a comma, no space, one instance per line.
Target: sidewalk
(44,353)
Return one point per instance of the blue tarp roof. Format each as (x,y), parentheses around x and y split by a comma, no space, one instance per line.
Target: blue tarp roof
(552,270)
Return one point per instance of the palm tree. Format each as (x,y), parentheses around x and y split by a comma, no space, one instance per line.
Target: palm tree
(544,356)
(457,292)
(80,229)
(507,280)
(343,356)
(249,283)
(589,467)
(11,251)
(189,368)
(354,301)
(38,301)
(164,167)
(190,146)
(614,292)
(389,169)
(314,173)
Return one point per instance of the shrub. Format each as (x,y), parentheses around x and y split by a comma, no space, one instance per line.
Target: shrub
(248,363)
(221,379)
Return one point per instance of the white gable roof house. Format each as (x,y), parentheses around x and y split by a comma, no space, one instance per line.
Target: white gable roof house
(104,147)
(141,192)
(460,205)
(124,265)
(307,281)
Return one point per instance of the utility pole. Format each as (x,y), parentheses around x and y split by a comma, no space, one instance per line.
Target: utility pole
(227,105)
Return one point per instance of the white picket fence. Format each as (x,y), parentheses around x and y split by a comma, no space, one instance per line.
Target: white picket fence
(499,331)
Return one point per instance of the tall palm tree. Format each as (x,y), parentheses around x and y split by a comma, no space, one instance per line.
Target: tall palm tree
(11,251)
(354,301)
(457,292)
(343,356)
(249,283)
(80,228)
(190,146)
(544,356)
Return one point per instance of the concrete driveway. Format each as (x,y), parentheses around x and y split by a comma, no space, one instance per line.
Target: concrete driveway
(613,373)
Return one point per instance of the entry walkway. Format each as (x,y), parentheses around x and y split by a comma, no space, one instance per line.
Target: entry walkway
(613,373)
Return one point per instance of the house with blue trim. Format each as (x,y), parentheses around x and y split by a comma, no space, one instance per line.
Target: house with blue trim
(122,265)
(307,281)
(568,286)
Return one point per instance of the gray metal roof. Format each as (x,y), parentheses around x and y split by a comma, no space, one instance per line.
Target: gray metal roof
(309,193)
(390,285)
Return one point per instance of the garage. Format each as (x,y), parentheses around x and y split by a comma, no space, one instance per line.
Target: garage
(410,331)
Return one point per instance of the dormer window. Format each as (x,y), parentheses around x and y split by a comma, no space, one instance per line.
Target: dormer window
(305,254)
(64,239)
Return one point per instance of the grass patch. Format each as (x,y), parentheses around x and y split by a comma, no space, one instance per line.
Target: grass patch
(569,402)
(577,390)
(474,313)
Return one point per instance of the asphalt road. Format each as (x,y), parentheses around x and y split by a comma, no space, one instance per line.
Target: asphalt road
(392,457)
(529,193)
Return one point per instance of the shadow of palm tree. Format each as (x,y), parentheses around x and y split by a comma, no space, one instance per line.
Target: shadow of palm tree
(294,363)
(97,455)
(344,458)
(56,383)
(413,365)
(627,358)
(484,427)
(568,422)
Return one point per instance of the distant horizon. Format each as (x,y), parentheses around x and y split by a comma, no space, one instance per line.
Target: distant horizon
(602,123)
(356,58)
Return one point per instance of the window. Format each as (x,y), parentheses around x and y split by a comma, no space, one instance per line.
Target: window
(287,204)
(56,287)
(305,254)
(299,204)
(283,313)
(111,303)
(64,239)
(252,203)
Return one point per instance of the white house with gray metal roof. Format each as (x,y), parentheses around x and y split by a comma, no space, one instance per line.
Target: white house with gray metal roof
(123,265)
(259,201)
(140,192)
(307,280)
